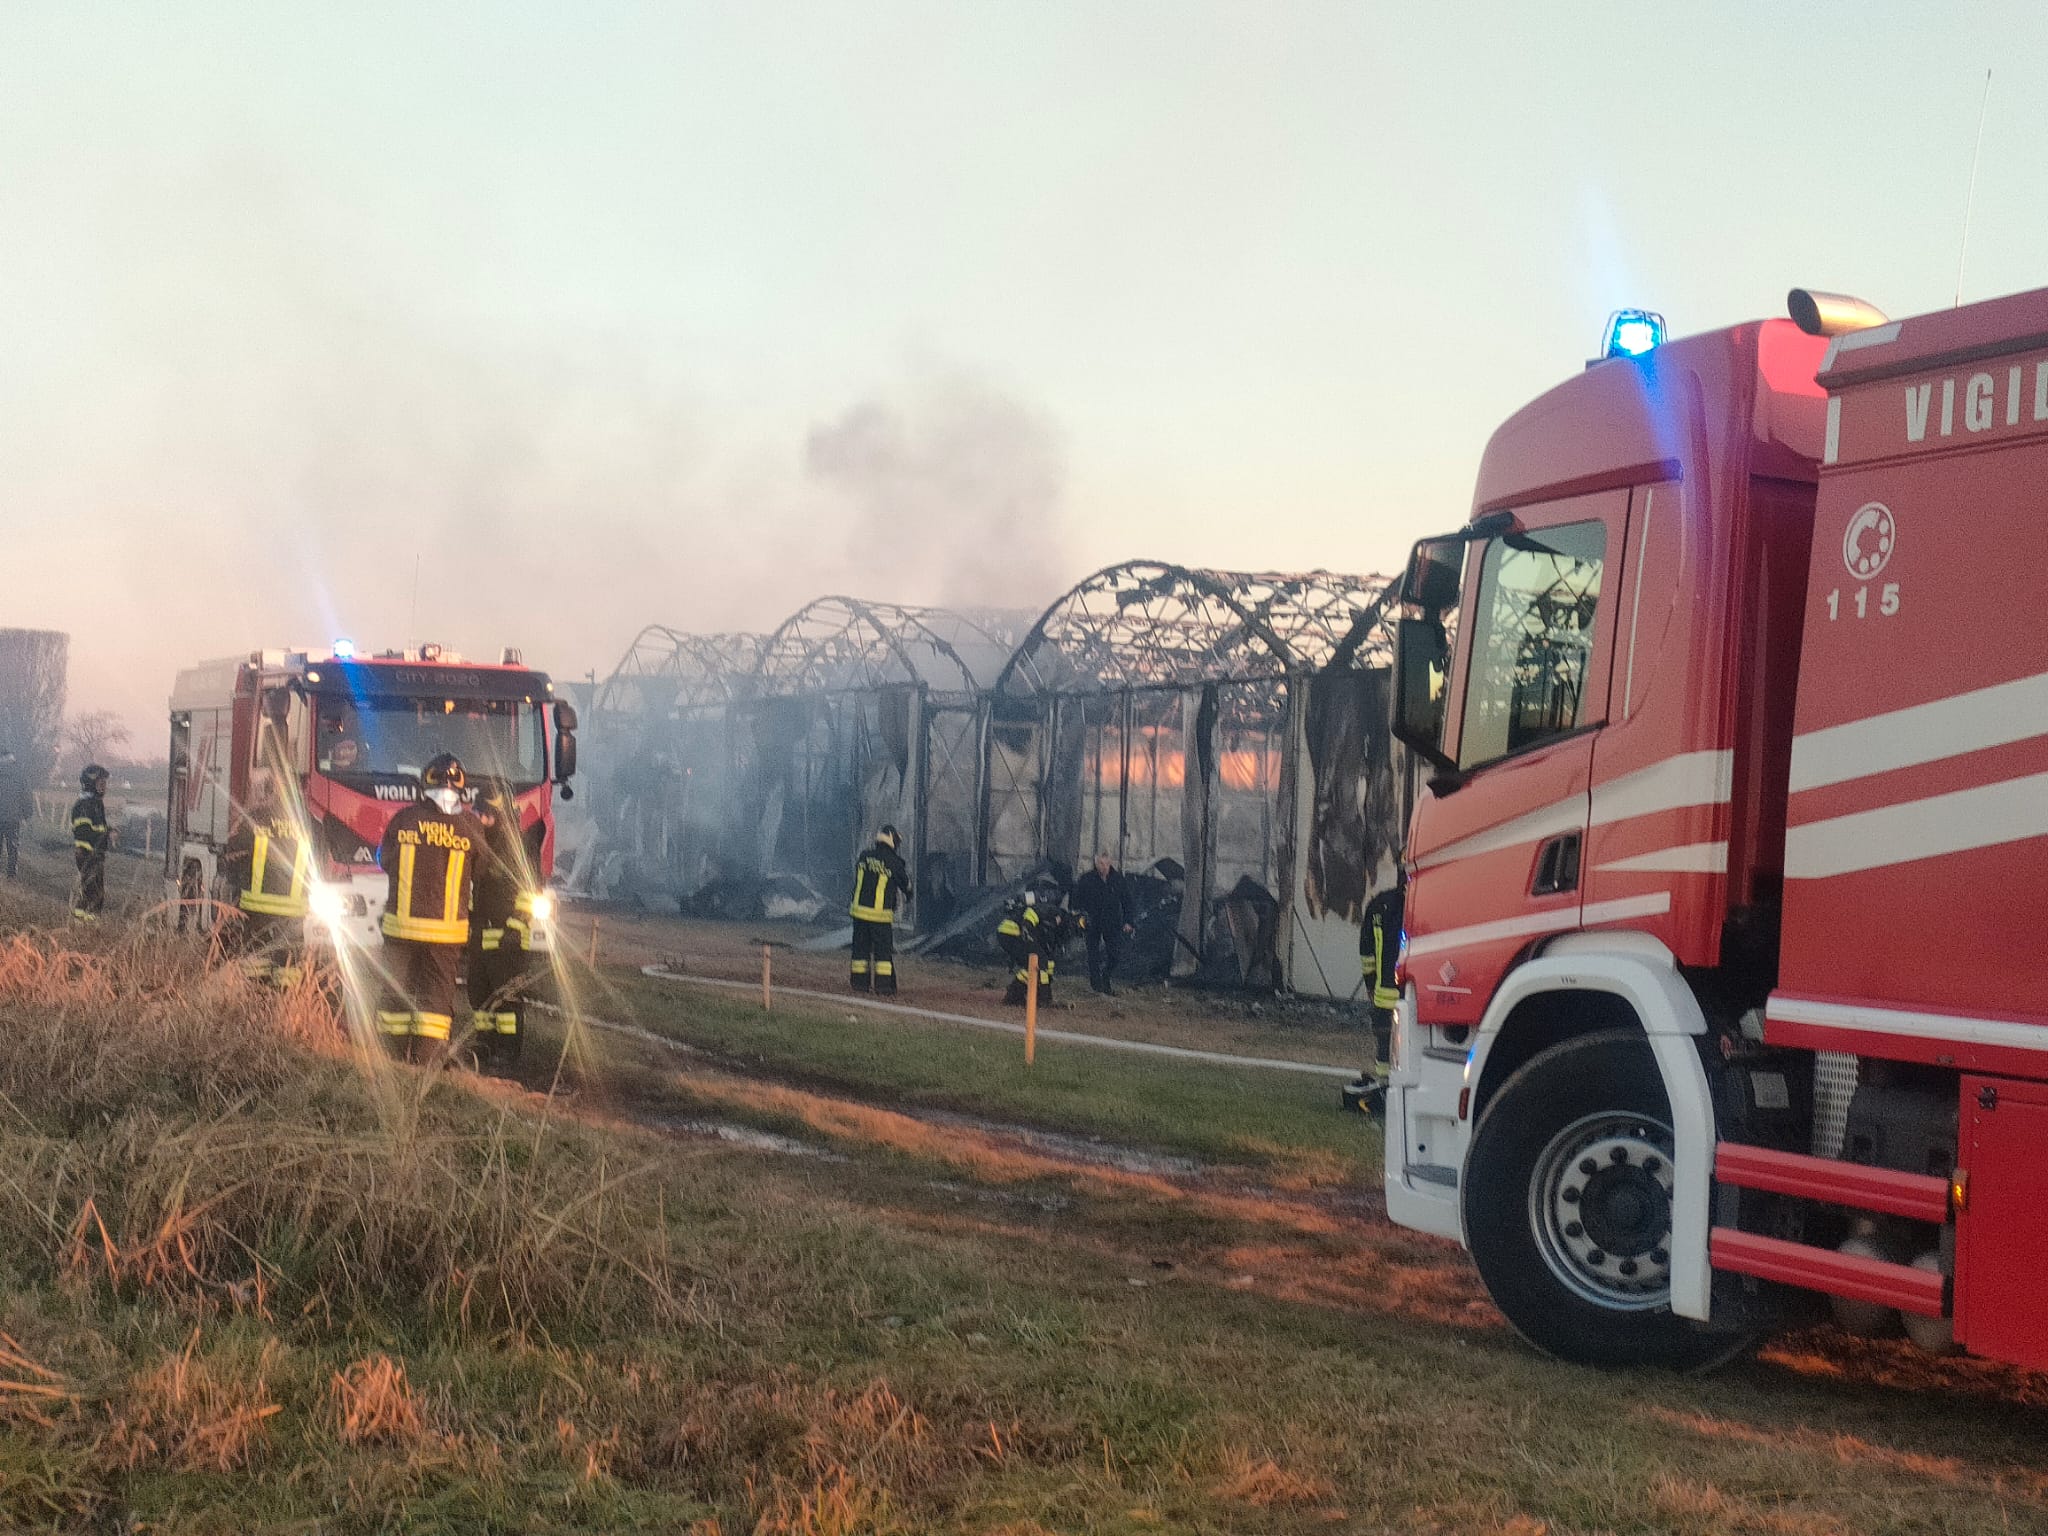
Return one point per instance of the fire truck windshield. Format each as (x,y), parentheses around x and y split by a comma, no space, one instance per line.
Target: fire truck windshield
(384,736)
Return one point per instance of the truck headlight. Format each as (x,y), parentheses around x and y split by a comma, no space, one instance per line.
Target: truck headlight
(543,907)
(328,904)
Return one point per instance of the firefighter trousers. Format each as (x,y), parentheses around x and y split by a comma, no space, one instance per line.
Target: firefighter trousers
(91,899)
(874,957)
(417,1009)
(267,946)
(1020,984)
(497,1008)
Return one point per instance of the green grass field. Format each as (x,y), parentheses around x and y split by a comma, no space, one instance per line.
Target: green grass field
(251,1282)
(1281,1120)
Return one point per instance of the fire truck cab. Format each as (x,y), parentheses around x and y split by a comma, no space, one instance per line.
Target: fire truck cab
(1722,975)
(353,733)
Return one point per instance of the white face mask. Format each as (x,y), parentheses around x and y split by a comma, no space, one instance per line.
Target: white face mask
(446,799)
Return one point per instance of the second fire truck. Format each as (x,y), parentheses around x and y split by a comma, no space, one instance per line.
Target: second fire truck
(1724,979)
(354,732)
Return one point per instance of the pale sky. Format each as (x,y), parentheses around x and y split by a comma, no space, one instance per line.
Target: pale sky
(614,314)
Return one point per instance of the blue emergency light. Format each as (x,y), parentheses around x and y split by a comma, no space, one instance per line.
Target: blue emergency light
(1632,332)
(344,650)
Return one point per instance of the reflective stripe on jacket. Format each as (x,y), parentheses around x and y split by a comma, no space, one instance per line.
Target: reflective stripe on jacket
(272,865)
(429,857)
(1379,945)
(880,882)
(89,824)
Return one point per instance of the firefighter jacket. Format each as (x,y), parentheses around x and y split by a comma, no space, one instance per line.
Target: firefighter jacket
(1027,929)
(89,832)
(880,883)
(1379,944)
(270,860)
(1017,935)
(430,858)
(503,904)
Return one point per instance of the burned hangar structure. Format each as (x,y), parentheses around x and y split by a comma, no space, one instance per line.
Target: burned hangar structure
(1224,730)
(729,760)
(1222,734)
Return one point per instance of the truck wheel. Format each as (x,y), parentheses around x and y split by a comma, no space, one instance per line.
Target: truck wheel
(1568,1208)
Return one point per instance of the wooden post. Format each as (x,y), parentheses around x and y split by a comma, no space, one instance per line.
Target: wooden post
(593,943)
(1031,1010)
(767,982)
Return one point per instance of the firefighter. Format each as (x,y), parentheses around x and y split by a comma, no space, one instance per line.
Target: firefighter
(500,928)
(429,855)
(880,885)
(91,838)
(1033,925)
(269,862)
(1379,953)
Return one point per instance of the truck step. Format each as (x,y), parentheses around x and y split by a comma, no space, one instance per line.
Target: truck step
(1823,1269)
(1919,1196)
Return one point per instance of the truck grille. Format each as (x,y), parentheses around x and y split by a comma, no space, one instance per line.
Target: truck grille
(1834,1084)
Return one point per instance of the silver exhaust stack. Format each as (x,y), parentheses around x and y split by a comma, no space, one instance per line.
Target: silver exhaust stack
(1830,314)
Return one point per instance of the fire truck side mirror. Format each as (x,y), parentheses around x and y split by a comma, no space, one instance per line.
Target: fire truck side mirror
(1421,667)
(565,757)
(1435,572)
(565,716)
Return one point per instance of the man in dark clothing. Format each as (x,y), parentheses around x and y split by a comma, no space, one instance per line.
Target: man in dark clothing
(91,837)
(17,805)
(430,854)
(1102,902)
(1379,953)
(499,928)
(880,885)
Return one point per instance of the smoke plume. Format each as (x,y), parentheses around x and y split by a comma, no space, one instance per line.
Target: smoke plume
(952,493)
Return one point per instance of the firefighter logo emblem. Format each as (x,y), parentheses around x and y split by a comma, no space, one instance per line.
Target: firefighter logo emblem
(1867,544)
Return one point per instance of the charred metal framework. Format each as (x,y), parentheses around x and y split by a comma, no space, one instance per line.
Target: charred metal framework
(1224,728)
(1147,625)
(666,671)
(732,756)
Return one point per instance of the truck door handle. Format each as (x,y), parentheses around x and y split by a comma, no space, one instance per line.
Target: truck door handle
(1557,866)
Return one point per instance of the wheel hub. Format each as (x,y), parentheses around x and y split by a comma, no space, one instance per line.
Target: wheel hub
(1600,1207)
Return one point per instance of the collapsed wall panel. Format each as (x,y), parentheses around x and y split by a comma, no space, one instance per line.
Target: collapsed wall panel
(1352,791)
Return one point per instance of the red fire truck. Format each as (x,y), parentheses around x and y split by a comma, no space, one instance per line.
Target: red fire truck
(355,731)
(1724,984)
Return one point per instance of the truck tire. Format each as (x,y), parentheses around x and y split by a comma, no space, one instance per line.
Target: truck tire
(1568,1213)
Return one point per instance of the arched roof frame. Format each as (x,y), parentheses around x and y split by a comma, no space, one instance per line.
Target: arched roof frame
(846,645)
(1148,624)
(666,671)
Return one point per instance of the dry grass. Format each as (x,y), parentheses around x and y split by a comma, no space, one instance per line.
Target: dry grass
(253,1279)
(836,1504)
(130,1157)
(195,1414)
(1264,1483)
(374,1405)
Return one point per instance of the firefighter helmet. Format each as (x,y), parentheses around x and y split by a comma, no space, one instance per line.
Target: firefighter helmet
(92,778)
(889,836)
(444,772)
